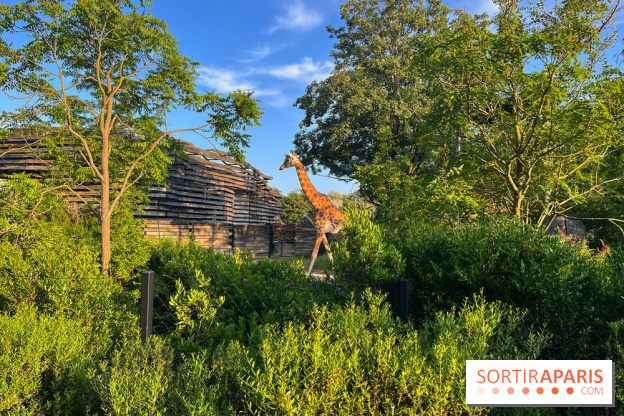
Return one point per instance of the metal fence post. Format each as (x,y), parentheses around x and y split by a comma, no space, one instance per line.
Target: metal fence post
(403,300)
(147,304)
(271,236)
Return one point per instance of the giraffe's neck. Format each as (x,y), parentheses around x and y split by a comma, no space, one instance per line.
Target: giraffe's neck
(309,190)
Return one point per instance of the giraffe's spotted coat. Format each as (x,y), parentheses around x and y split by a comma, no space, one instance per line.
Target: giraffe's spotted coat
(327,218)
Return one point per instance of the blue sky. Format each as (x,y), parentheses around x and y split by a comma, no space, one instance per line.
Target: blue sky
(273,47)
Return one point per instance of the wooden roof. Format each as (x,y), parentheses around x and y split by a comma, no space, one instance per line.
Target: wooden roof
(205,186)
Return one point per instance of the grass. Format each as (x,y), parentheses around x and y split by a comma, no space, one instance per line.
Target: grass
(322,263)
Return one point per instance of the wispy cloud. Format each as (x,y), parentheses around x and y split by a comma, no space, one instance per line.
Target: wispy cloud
(297,16)
(306,71)
(261,52)
(224,81)
(487,6)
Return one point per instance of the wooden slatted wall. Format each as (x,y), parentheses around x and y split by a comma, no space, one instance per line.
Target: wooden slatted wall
(205,186)
(287,240)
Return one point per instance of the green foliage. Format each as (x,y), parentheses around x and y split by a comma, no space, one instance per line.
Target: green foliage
(571,292)
(296,205)
(195,309)
(446,198)
(372,107)
(527,101)
(214,297)
(130,250)
(532,98)
(58,271)
(137,380)
(359,359)
(144,379)
(23,202)
(196,389)
(47,364)
(364,258)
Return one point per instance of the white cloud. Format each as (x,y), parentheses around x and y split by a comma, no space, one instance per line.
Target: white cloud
(259,53)
(487,6)
(297,17)
(223,80)
(306,71)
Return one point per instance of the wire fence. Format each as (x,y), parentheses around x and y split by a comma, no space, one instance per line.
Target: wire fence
(244,303)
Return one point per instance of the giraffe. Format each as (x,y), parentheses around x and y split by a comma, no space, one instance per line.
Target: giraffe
(327,218)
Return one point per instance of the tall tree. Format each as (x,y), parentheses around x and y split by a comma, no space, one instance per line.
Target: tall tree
(535,101)
(371,108)
(296,208)
(108,72)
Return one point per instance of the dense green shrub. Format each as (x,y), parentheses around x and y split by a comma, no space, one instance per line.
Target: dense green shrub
(234,291)
(137,379)
(364,258)
(47,364)
(571,291)
(359,359)
(59,272)
(196,389)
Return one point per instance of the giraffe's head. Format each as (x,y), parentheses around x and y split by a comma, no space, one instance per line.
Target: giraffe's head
(290,161)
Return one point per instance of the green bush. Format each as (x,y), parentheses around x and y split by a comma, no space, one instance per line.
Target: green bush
(364,258)
(250,292)
(47,364)
(196,389)
(137,380)
(59,272)
(572,292)
(359,359)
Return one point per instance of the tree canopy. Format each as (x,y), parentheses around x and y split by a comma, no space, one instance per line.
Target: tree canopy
(296,207)
(534,100)
(524,107)
(372,107)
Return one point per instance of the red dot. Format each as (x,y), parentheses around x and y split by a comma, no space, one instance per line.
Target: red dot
(510,390)
(570,390)
(540,390)
(555,390)
(525,390)
(495,390)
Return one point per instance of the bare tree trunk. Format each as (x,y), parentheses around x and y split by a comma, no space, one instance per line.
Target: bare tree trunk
(517,208)
(106,240)
(105,223)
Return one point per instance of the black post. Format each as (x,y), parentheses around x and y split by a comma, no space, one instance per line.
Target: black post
(271,247)
(403,300)
(147,304)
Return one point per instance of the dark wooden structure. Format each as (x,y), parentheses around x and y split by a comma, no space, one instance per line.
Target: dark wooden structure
(222,203)
(209,186)
(263,240)
(204,186)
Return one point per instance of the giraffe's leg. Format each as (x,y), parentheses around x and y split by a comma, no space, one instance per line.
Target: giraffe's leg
(319,238)
(326,243)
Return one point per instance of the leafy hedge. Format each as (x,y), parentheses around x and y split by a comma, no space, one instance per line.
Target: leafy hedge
(47,364)
(262,338)
(570,291)
(213,297)
(359,359)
